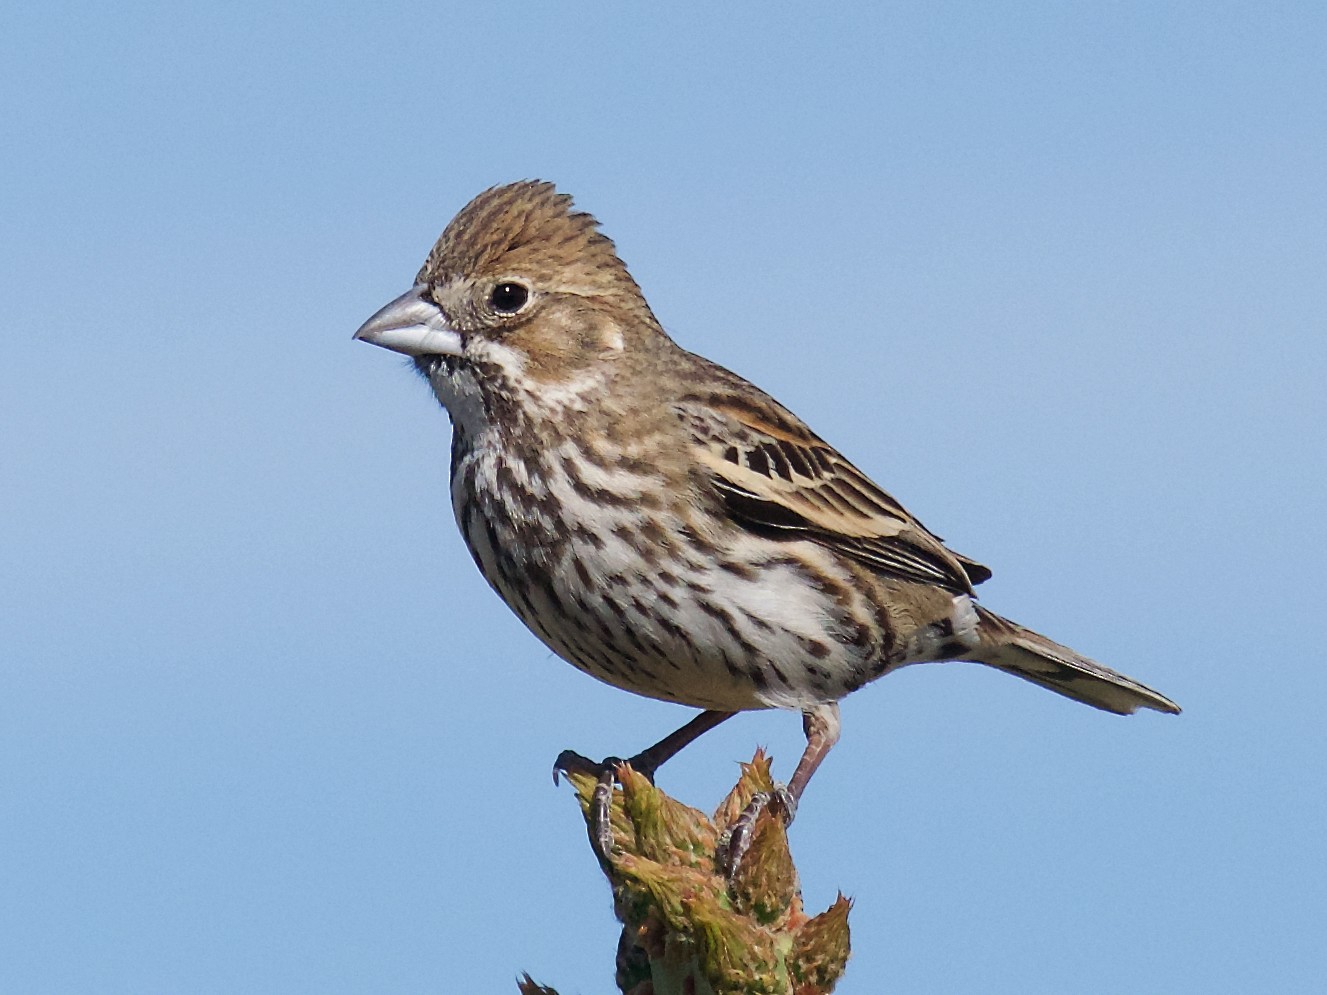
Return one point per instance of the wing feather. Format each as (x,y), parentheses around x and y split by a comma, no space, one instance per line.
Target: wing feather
(775,475)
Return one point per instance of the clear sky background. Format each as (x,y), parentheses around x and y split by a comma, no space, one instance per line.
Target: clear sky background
(1054,274)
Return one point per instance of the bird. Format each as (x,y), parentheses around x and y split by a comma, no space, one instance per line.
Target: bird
(664,525)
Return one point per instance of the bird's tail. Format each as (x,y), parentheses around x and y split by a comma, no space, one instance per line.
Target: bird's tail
(1033,657)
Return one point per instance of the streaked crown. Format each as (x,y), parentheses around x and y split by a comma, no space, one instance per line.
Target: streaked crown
(528,227)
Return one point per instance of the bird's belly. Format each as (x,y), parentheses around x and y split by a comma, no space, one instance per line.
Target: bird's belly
(754,623)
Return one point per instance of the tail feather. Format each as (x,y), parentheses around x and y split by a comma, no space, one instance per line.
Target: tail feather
(1031,656)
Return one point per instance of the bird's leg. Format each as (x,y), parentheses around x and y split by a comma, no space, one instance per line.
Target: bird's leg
(821,725)
(646,762)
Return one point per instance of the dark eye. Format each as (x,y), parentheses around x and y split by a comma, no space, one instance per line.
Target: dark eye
(508,298)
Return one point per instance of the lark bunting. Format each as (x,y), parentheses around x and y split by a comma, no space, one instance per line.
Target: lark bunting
(659,522)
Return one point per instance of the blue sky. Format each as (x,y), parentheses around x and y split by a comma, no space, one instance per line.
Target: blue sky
(1053,274)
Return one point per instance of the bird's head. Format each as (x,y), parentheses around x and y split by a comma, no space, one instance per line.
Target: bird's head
(519,288)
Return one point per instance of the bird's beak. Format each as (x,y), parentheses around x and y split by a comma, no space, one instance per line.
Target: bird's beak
(412,324)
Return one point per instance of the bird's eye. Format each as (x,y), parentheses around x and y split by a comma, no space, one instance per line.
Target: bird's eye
(508,298)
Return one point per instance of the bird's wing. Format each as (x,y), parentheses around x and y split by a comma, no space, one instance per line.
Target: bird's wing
(776,476)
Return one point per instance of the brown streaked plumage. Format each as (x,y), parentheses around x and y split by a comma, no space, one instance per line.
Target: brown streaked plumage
(661,523)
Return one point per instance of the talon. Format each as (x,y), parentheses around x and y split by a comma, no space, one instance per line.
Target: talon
(571,762)
(786,801)
(598,822)
(736,839)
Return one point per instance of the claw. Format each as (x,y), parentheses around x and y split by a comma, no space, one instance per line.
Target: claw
(571,762)
(599,823)
(645,762)
(736,839)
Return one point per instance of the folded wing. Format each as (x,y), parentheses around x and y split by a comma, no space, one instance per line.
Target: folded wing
(776,476)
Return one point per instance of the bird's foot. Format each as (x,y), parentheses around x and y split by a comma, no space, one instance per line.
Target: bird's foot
(736,839)
(571,762)
(598,822)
